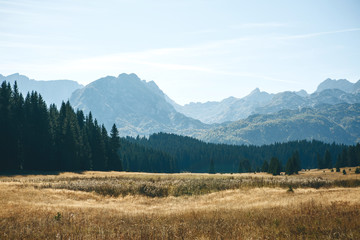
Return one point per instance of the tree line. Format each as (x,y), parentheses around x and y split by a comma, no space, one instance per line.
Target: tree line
(193,155)
(36,137)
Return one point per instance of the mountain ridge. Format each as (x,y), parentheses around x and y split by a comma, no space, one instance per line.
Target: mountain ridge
(140,107)
(342,84)
(328,123)
(263,102)
(136,106)
(53,91)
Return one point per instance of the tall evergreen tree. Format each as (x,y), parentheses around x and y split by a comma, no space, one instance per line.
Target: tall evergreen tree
(297,161)
(17,122)
(352,157)
(244,166)
(5,127)
(344,158)
(290,166)
(338,163)
(320,161)
(293,164)
(275,166)
(114,145)
(212,167)
(265,166)
(98,148)
(327,159)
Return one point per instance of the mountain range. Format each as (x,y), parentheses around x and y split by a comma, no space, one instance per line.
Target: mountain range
(138,107)
(53,91)
(257,102)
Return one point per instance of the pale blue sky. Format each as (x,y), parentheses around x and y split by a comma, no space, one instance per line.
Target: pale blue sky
(195,50)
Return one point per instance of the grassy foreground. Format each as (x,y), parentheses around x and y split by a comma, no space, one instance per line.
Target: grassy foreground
(98,205)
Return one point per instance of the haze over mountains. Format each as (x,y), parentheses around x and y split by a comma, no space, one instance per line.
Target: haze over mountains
(54,91)
(257,102)
(331,113)
(137,107)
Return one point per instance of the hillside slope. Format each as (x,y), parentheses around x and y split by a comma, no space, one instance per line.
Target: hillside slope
(328,123)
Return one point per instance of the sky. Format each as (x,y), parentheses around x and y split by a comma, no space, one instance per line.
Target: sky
(195,50)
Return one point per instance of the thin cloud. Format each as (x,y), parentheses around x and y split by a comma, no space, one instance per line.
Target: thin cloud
(16,12)
(10,44)
(259,25)
(204,31)
(15,35)
(253,75)
(112,61)
(311,35)
(30,8)
(15,3)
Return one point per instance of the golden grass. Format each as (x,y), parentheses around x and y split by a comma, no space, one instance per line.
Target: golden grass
(31,212)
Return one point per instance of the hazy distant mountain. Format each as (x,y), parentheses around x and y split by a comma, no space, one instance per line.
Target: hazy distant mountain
(302,93)
(257,102)
(328,123)
(137,107)
(229,109)
(281,101)
(341,84)
(292,100)
(54,91)
(334,96)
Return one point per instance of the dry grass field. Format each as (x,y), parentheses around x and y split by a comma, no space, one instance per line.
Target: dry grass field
(113,205)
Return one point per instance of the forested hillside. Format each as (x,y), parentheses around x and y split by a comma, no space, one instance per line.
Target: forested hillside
(196,156)
(338,123)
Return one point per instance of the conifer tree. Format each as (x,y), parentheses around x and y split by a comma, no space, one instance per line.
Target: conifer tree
(290,166)
(338,163)
(244,166)
(114,145)
(5,126)
(265,166)
(293,164)
(352,155)
(297,161)
(275,166)
(212,167)
(17,122)
(327,159)
(344,158)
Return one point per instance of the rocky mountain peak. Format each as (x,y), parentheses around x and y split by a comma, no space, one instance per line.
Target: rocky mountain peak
(341,84)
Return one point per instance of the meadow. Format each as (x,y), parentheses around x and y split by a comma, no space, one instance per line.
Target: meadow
(315,204)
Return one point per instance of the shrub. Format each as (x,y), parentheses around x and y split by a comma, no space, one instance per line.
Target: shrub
(57,217)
